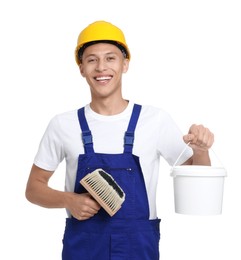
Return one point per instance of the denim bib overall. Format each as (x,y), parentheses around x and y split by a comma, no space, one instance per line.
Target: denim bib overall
(129,234)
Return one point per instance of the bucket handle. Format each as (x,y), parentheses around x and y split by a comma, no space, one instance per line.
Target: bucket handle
(180,155)
(178,158)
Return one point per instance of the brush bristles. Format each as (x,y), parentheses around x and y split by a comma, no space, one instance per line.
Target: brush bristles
(105,190)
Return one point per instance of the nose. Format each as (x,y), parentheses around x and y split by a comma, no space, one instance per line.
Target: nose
(101,65)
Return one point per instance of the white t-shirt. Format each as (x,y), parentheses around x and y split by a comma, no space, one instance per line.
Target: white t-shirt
(156,135)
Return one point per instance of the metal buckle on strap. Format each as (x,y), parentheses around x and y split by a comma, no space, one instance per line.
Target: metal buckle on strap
(129,138)
(87,137)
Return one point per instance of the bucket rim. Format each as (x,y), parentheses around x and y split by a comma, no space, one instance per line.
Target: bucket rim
(198,171)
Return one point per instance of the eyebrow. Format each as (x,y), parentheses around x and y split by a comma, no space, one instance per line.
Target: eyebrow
(96,55)
(107,53)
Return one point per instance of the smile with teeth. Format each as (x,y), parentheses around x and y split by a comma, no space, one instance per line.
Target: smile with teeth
(103,78)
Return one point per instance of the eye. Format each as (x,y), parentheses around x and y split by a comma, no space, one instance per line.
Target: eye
(110,58)
(91,60)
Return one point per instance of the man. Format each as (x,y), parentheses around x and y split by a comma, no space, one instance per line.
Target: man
(124,139)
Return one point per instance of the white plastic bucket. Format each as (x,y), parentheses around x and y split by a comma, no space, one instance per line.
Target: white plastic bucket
(198,190)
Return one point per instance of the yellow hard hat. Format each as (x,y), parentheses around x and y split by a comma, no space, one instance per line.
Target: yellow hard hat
(101,31)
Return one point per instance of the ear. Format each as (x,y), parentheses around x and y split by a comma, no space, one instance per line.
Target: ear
(81,69)
(125,65)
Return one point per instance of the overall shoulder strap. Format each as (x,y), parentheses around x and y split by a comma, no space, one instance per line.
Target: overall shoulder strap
(129,134)
(86,133)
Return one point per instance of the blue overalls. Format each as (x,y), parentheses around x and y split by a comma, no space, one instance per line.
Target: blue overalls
(129,234)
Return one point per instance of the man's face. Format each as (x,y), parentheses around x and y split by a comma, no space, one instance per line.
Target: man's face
(103,65)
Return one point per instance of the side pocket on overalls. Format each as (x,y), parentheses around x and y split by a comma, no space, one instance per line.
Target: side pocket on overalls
(76,245)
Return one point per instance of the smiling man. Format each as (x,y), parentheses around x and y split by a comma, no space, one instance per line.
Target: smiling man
(124,139)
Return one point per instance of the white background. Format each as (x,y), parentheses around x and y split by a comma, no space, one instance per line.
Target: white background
(186,58)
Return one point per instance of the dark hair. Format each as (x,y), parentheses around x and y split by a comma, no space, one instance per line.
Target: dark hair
(81,50)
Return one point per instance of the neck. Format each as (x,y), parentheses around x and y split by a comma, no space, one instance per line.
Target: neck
(109,107)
